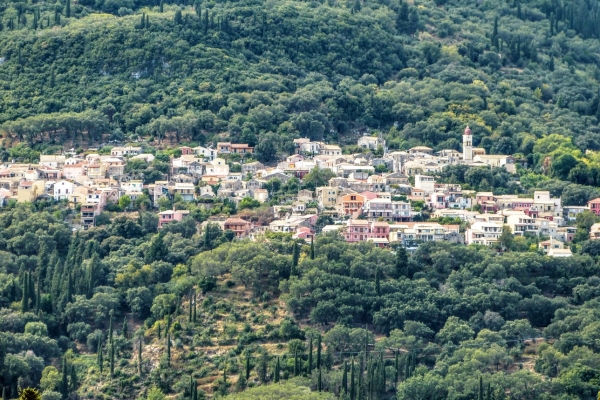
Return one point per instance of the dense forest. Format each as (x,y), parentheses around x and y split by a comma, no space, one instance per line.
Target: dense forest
(523,74)
(122,311)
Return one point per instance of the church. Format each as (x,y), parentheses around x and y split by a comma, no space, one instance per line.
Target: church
(477,156)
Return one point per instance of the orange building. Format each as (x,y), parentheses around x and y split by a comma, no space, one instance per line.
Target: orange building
(352,204)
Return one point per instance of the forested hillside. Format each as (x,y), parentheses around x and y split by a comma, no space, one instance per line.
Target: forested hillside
(123,312)
(267,72)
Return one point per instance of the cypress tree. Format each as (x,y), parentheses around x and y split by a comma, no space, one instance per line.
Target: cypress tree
(480,396)
(68,9)
(402,260)
(64,384)
(147,22)
(319,351)
(124,328)
(112,359)
(205,31)
(31,289)
(296,362)
(190,314)
(70,288)
(159,331)
(352,390)
(377,282)
(225,375)
(397,367)
(312,249)
(74,381)
(519,14)
(277,369)
(194,311)
(319,382)
(4,393)
(169,350)
(345,377)
(100,357)
(38,298)
(310,356)
(248,367)
(25,296)
(110,327)
(295,258)
(489,392)
(140,356)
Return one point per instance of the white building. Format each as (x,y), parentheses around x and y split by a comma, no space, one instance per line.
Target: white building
(62,190)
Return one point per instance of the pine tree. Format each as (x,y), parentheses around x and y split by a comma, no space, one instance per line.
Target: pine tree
(178,19)
(29,394)
(68,9)
(168,350)
(310,356)
(312,249)
(140,358)
(277,370)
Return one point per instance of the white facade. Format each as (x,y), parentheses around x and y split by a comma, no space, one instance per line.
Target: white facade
(62,190)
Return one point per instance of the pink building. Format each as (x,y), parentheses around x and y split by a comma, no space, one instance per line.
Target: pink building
(594,206)
(186,150)
(358,230)
(171,215)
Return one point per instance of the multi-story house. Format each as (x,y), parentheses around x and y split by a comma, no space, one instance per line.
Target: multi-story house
(205,153)
(352,204)
(240,227)
(358,230)
(594,206)
(168,216)
(371,142)
(62,190)
(327,196)
(483,232)
(125,151)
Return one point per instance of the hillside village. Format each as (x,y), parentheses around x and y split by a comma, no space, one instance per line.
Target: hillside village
(388,198)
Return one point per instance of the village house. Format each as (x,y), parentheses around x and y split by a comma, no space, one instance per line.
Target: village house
(126,151)
(168,216)
(240,227)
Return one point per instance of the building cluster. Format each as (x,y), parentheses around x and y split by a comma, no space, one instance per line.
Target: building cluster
(375,196)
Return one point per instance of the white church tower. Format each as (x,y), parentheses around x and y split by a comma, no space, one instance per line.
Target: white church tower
(467,146)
